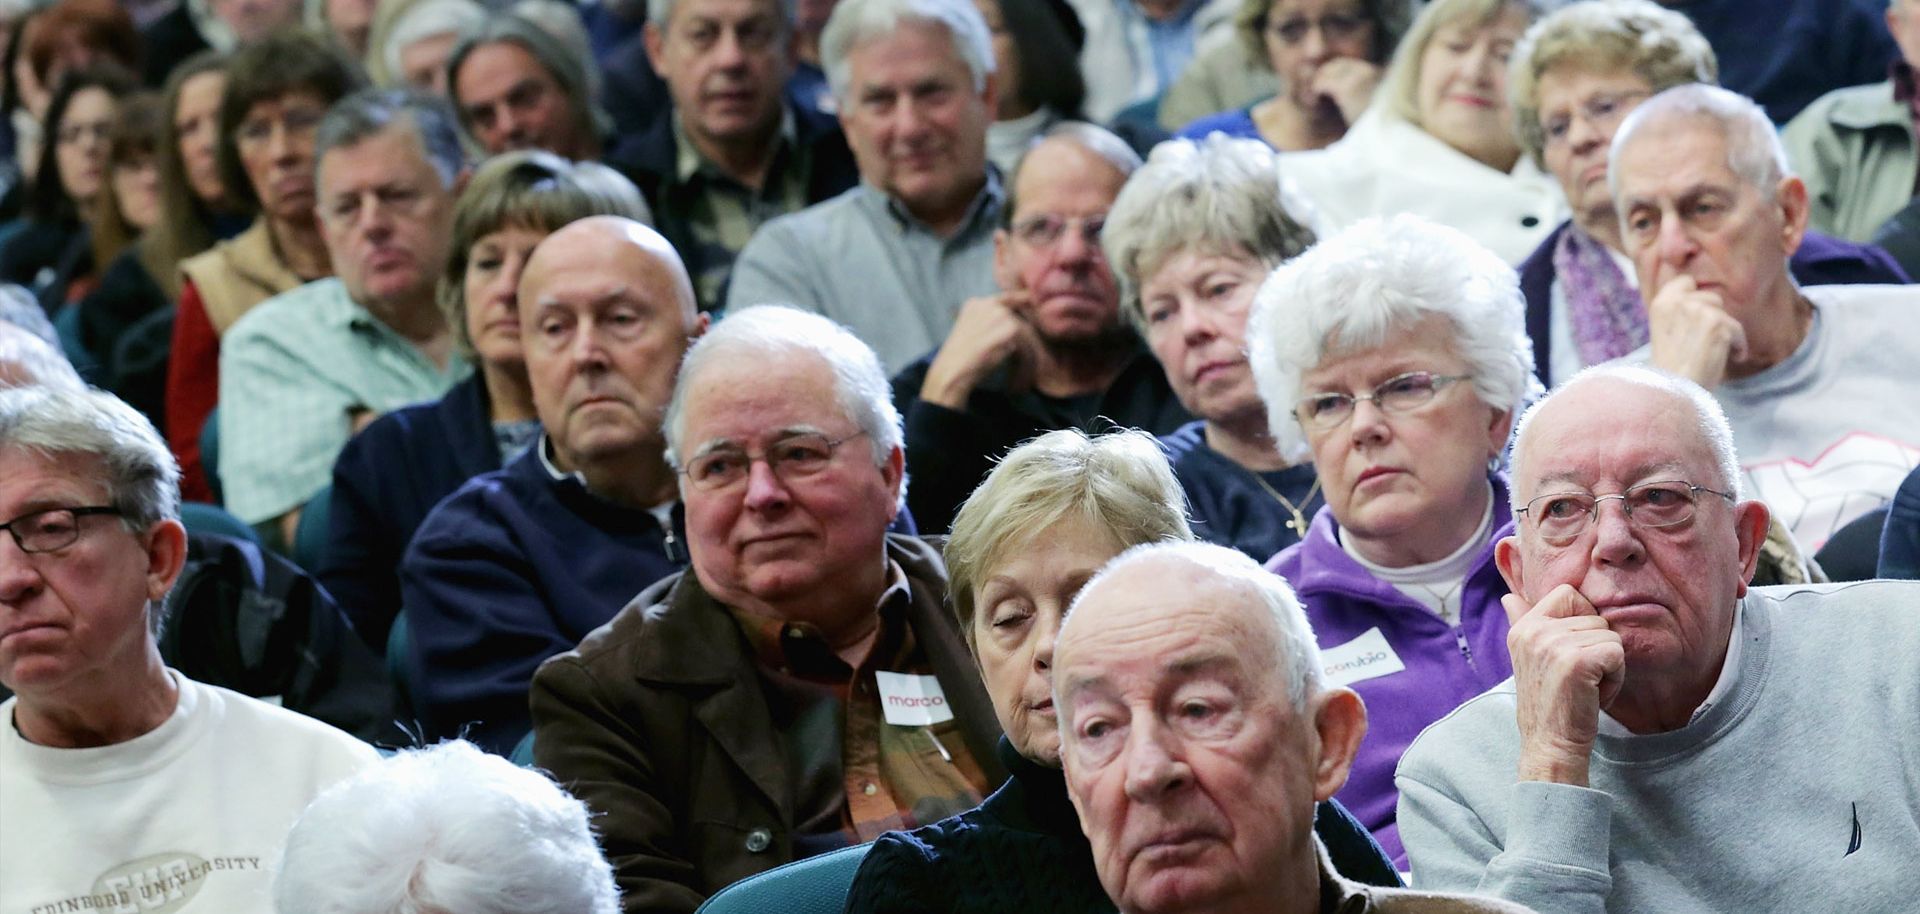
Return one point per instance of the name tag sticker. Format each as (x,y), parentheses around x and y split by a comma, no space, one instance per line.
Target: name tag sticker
(912,701)
(1366,657)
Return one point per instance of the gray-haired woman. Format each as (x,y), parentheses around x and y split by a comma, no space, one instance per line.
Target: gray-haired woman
(1393,355)
(1192,235)
(1048,516)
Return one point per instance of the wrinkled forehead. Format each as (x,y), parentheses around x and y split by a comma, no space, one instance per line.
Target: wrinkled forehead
(1612,430)
(31,479)
(1160,622)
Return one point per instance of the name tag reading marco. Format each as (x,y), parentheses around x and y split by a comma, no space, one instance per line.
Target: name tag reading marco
(1366,657)
(911,700)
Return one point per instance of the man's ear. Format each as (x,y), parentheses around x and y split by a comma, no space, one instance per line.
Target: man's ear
(656,44)
(894,471)
(1752,521)
(1791,197)
(166,555)
(1506,557)
(1340,718)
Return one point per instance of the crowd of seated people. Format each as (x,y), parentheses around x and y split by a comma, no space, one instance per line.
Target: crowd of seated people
(967,455)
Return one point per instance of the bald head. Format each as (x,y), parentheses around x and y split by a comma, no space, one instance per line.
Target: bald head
(606,313)
(588,248)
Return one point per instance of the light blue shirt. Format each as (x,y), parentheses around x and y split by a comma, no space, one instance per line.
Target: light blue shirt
(294,371)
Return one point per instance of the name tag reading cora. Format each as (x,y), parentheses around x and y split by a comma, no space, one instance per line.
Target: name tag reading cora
(1366,657)
(910,700)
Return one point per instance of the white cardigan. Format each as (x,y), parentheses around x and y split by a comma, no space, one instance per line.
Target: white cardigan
(1385,166)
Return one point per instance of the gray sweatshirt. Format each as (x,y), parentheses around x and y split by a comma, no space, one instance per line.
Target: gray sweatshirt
(1799,791)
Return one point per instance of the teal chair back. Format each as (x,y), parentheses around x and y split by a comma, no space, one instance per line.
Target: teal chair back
(816,885)
(204,518)
(310,533)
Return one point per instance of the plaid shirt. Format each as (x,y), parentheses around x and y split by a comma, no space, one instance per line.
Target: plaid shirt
(856,775)
(725,213)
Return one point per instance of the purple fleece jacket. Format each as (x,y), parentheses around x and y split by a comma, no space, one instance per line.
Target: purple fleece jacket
(1445,665)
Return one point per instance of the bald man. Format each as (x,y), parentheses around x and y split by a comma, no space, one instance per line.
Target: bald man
(520,564)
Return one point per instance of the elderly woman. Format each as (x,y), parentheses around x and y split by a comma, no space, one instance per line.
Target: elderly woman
(1047,517)
(1576,75)
(277,90)
(1393,355)
(447,829)
(1328,56)
(1191,236)
(1438,141)
(391,475)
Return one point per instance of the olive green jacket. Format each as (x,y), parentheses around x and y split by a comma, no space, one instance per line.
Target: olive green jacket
(1855,149)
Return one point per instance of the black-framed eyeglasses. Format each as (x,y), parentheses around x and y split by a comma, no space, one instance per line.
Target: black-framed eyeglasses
(1560,517)
(51,529)
(790,458)
(1398,394)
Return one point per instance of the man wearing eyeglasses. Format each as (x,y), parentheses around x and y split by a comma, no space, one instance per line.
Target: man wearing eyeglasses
(803,687)
(1672,739)
(125,785)
(521,563)
(1048,350)
(309,367)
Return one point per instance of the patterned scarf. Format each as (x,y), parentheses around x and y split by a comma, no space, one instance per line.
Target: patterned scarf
(1605,311)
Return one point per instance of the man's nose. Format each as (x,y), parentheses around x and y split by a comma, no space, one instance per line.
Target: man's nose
(765,489)
(1677,246)
(1616,540)
(728,51)
(1315,47)
(18,576)
(1154,767)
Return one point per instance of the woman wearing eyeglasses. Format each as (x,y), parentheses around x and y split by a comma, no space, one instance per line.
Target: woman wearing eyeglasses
(1328,55)
(277,91)
(1393,355)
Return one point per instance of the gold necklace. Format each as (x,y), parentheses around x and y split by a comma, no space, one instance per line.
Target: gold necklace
(1299,523)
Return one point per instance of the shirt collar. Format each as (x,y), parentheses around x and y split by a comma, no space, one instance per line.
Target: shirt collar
(985,206)
(689,161)
(545,449)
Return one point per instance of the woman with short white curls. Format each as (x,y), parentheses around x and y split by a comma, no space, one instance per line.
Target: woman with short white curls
(444,830)
(1393,355)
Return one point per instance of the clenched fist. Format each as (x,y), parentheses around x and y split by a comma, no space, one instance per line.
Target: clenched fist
(1568,666)
(988,332)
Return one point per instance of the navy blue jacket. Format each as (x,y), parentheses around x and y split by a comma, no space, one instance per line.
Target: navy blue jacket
(1900,538)
(950,451)
(1228,506)
(1822,260)
(514,568)
(385,482)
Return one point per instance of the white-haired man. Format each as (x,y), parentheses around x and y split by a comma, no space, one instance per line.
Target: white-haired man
(1817,382)
(126,786)
(1657,748)
(1198,732)
(803,687)
(894,257)
(1048,350)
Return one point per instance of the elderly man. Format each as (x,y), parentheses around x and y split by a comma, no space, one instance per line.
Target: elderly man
(520,564)
(735,151)
(1198,732)
(894,258)
(803,687)
(1048,350)
(127,786)
(518,87)
(305,369)
(1818,382)
(1657,748)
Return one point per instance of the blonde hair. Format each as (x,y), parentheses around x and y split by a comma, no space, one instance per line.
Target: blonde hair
(1119,483)
(1659,45)
(1399,92)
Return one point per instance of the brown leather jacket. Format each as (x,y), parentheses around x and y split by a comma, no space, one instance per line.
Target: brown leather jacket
(659,723)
